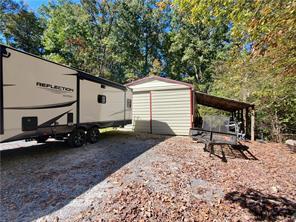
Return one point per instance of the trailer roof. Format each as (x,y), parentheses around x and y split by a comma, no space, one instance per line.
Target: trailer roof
(222,103)
(81,74)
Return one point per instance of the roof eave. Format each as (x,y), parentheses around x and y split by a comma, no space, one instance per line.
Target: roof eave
(151,78)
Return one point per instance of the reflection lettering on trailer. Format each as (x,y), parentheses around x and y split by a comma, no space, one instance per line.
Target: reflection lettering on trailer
(54,87)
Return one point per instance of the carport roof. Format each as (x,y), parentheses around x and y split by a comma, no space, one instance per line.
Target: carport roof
(221,103)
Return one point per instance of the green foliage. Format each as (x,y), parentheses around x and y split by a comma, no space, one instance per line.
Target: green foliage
(260,21)
(140,36)
(117,40)
(20,27)
(66,38)
(156,68)
(267,84)
(194,48)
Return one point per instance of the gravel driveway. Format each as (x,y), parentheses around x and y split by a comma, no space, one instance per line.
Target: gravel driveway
(39,180)
(127,177)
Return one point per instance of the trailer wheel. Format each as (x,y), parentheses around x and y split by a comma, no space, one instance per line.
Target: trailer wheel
(93,135)
(77,138)
(41,139)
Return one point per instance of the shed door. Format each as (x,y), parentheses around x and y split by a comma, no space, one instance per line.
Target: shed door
(141,112)
(171,112)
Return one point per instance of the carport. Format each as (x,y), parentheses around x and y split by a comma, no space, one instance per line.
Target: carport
(242,111)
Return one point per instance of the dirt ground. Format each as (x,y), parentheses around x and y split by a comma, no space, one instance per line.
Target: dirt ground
(138,177)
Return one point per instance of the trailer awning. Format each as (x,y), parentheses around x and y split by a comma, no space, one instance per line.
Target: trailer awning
(221,103)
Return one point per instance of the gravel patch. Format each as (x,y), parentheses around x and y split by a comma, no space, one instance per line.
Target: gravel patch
(39,180)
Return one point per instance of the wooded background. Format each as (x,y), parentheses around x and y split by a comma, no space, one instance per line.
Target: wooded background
(242,49)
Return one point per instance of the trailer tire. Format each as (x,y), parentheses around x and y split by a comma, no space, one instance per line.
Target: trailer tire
(93,135)
(77,138)
(41,139)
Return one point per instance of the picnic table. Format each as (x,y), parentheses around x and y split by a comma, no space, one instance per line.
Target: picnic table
(215,130)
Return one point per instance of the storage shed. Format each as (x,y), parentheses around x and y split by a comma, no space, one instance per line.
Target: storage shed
(162,106)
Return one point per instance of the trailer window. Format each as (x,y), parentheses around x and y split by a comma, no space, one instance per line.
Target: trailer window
(129,103)
(103,86)
(101,99)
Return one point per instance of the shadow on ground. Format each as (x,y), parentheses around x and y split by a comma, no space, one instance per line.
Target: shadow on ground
(224,152)
(262,206)
(38,180)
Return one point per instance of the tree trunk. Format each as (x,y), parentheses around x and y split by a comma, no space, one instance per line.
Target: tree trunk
(276,129)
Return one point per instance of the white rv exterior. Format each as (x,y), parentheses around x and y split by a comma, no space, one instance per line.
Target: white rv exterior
(41,99)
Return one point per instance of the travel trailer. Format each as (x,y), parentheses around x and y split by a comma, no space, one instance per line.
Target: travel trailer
(41,99)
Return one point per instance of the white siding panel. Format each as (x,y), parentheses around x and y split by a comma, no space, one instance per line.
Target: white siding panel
(92,111)
(141,112)
(171,112)
(157,85)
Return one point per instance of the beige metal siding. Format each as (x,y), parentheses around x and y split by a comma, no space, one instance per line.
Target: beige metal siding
(157,85)
(141,112)
(171,112)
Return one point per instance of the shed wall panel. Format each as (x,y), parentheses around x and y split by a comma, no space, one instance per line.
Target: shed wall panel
(141,112)
(171,112)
